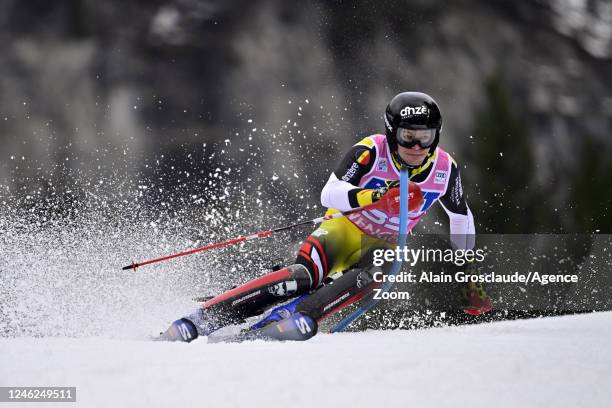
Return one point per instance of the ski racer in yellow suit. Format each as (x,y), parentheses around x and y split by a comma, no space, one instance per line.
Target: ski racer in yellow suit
(333,267)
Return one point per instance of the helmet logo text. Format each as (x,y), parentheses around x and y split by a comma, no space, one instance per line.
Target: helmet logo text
(413,110)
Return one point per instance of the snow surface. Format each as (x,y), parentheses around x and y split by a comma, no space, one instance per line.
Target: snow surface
(561,362)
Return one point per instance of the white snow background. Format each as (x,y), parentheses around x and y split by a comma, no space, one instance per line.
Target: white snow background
(548,362)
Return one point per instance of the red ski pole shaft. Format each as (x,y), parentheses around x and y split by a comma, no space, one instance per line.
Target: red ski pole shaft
(237,240)
(135,265)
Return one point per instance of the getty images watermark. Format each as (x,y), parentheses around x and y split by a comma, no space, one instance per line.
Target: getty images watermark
(458,257)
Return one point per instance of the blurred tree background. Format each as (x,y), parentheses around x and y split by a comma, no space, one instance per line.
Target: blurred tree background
(175,101)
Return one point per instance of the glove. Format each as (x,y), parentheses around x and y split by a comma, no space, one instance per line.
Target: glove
(390,200)
(381,191)
(475,299)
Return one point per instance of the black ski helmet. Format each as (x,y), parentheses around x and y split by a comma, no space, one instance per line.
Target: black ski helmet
(412,110)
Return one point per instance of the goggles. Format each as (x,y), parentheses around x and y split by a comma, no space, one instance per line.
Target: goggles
(411,137)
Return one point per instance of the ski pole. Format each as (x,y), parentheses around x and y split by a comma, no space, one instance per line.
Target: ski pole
(397,263)
(237,240)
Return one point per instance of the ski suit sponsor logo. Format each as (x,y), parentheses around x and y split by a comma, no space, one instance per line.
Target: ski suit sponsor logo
(302,325)
(335,302)
(440,177)
(374,230)
(376,218)
(351,172)
(413,110)
(184,331)
(457,191)
(379,224)
(382,165)
(242,299)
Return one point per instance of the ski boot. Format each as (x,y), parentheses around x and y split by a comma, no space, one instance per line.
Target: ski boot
(240,303)
(199,323)
(279,313)
(180,330)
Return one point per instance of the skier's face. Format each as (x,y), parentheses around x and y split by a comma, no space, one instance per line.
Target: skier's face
(414,155)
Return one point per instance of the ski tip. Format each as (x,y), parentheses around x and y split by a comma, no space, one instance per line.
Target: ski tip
(298,327)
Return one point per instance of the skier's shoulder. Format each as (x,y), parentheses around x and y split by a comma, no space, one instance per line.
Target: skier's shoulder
(365,150)
(371,141)
(451,159)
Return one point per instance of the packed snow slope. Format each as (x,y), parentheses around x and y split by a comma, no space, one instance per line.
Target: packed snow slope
(549,362)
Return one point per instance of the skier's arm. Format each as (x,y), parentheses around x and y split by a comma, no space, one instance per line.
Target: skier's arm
(341,191)
(460,217)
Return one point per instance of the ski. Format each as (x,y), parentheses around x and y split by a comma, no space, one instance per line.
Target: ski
(297,327)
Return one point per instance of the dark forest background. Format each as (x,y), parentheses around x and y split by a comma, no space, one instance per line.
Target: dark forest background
(170,102)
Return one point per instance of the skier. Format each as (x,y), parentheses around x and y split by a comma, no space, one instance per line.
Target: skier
(333,268)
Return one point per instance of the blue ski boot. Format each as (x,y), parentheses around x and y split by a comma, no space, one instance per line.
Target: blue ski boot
(189,328)
(180,330)
(279,313)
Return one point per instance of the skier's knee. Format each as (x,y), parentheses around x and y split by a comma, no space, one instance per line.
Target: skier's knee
(302,276)
(315,276)
(314,259)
